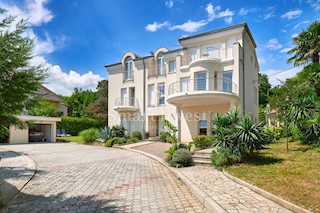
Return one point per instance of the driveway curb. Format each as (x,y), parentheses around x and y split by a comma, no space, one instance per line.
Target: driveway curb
(202,196)
(31,167)
(268,195)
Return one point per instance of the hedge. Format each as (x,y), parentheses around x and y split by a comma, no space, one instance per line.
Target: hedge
(74,126)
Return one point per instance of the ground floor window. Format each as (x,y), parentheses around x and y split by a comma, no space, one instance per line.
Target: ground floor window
(203,127)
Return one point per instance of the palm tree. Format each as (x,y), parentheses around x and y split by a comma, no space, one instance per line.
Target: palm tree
(307,46)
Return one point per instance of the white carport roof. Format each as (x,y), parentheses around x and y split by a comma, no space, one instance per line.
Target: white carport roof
(38,118)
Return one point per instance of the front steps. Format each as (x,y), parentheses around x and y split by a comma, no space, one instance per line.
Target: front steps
(153,139)
(202,157)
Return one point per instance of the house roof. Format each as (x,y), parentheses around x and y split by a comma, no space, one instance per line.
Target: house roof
(245,25)
(49,93)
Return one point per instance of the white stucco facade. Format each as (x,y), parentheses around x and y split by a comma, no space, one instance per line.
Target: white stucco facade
(210,73)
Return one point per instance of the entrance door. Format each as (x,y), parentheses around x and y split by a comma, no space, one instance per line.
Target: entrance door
(157,126)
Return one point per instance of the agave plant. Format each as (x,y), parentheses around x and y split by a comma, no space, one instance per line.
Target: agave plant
(104,134)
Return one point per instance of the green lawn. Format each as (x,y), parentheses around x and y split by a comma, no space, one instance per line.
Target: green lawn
(76,139)
(293,175)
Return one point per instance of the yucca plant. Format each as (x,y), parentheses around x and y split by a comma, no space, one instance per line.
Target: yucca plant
(250,136)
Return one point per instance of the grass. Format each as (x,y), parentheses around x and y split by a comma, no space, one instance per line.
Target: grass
(76,139)
(292,175)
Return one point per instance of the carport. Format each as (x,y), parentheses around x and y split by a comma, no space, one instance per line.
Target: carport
(47,125)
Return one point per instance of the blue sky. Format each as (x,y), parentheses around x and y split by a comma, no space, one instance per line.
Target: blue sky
(76,38)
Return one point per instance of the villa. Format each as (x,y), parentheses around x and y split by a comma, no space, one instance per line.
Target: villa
(210,73)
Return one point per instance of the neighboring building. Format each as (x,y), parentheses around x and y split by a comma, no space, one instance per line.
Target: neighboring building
(44,128)
(212,72)
(272,118)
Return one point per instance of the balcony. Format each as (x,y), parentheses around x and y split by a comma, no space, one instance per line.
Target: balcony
(126,104)
(206,91)
(157,70)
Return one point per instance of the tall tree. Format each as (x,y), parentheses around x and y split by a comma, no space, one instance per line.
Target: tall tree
(307,46)
(79,101)
(99,108)
(18,78)
(264,89)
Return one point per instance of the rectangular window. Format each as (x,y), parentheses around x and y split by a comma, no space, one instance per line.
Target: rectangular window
(172,66)
(184,84)
(227,81)
(161,94)
(230,43)
(203,127)
(124,97)
(201,81)
(151,95)
(129,70)
(255,95)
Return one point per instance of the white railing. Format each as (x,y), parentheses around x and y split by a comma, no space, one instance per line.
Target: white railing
(205,84)
(126,102)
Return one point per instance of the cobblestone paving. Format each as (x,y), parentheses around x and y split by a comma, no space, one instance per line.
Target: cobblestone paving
(157,148)
(14,173)
(79,178)
(228,194)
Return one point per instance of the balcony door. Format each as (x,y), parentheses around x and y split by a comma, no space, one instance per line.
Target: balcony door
(227,81)
(200,81)
(184,84)
(124,96)
(132,96)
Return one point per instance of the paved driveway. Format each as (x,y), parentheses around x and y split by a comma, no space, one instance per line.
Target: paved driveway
(80,178)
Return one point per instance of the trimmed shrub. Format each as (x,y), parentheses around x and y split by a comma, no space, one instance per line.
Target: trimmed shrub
(223,157)
(118,131)
(74,126)
(181,158)
(163,136)
(89,135)
(120,141)
(137,135)
(202,141)
(110,142)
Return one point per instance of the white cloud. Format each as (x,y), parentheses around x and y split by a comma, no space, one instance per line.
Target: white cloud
(190,26)
(211,12)
(43,46)
(315,4)
(245,11)
(285,50)
(277,76)
(294,35)
(300,24)
(169,3)
(228,20)
(273,44)
(292,14)
(283,30)
(269,15)
(215,12)
(33,10)
(262,60)
(156,26)
(64,83)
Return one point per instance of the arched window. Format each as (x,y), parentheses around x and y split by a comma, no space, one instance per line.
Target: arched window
(129,68)
(160,64)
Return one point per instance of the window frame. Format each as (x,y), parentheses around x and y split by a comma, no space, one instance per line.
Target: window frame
(128,68)
(174,66)
(161,95)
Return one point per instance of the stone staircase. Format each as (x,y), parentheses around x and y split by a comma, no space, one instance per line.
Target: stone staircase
(153,139)
(202,157)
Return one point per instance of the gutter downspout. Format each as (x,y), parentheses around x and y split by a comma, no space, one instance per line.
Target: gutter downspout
(243,71)
(144,100)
